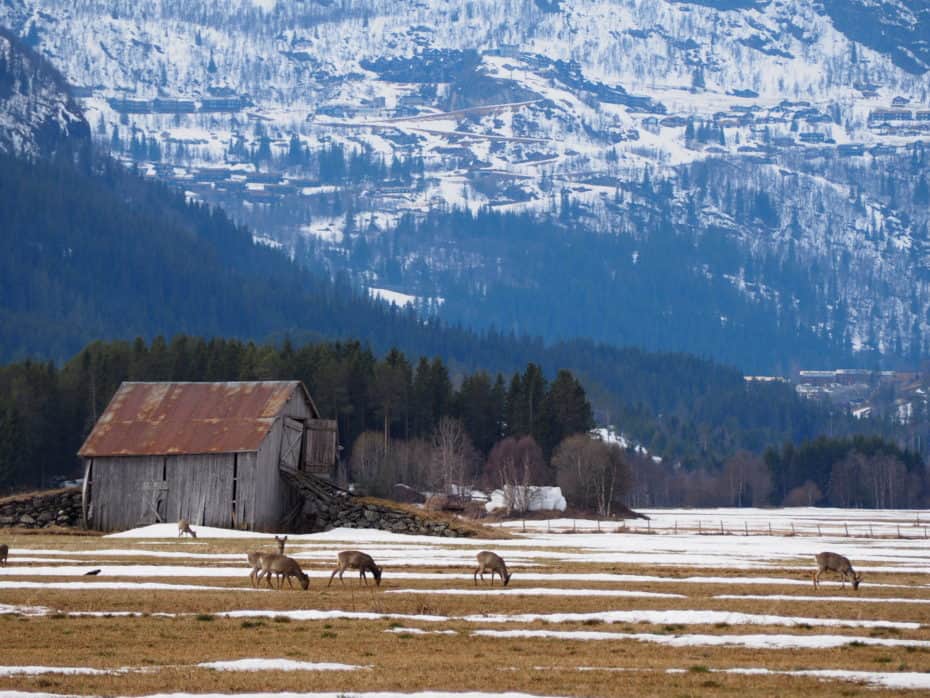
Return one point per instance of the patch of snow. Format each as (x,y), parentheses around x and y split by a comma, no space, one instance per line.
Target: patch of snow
(822,599)
(259,664)
(540,591)
(687,617)
(126,586)
(397,298)
(38,670)
(698,640)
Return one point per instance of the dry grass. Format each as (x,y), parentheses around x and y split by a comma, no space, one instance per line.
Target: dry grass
(402,661)
(23,496)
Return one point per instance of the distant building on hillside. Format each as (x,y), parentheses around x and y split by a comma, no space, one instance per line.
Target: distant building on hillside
(207,452)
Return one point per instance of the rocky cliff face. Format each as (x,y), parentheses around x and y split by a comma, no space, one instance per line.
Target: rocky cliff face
(38,115)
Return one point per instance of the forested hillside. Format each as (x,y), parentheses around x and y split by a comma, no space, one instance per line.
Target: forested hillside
(694,414)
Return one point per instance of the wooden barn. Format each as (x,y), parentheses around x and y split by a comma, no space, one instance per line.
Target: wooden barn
(207,452)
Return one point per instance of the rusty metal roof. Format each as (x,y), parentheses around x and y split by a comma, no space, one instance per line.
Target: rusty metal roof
(152,419)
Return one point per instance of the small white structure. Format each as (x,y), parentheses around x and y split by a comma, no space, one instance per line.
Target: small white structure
(528,498)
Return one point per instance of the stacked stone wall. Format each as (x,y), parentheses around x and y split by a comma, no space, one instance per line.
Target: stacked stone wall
(42,509)
(346,513)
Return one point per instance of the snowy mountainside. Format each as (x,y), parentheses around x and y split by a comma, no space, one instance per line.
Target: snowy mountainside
(38,116)
(783,145)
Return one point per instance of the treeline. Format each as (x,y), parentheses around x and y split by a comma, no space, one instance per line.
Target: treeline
(859,471)
(46,412)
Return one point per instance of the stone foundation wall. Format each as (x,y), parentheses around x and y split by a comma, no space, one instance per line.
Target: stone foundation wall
(41,510)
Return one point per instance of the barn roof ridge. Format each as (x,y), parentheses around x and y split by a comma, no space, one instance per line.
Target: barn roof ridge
(152,418)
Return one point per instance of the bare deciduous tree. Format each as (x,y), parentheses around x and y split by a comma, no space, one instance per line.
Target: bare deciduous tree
(515,466)
(747,479)
(806,495)
(369,462)
(592,473)
(452,458)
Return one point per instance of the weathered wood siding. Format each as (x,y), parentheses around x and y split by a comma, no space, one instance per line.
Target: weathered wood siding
(271,493)
(200,488)
(119,493)
(245,491)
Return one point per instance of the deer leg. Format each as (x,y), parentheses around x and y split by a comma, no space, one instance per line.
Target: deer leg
(475,575)
(364,578)
(332,575)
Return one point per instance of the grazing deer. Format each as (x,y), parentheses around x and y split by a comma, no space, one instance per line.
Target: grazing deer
(185,527)
(491,562)
(355,560)
(832,562)
(4,551)
(283,567)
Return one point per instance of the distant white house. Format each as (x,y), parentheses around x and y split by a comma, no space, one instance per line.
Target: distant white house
(527,498)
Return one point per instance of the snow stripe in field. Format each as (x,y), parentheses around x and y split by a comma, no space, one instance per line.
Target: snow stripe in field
(313,614)
(420,631)
(37,670)
(540,591)
(6,609)
(129,571)
(259,664)
(155,570)
(679,617)
(748,641)
(832,599)
(686,617)
(885,679)
(291,694)
(129,586)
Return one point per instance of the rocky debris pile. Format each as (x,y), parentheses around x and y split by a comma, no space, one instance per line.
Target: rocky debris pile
(327,506)
(349,514)
(41,510)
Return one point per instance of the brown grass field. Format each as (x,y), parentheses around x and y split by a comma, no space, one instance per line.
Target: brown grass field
(150,654)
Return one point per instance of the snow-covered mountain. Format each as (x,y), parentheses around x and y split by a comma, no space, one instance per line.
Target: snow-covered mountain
(38,116)
(781,145)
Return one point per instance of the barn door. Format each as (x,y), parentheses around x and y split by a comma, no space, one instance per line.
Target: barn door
(292,441)
(154,497)
(320,451)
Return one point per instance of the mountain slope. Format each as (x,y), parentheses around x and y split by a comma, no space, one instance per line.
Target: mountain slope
(90,250)
(775,150)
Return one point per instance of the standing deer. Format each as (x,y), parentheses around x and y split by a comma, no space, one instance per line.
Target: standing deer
(491,562)
(833,562)
(185,527)
(255,559)
(4,552)
(283,567)
(353,559)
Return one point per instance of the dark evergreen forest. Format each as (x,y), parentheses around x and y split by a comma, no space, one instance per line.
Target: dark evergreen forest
(698,416)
